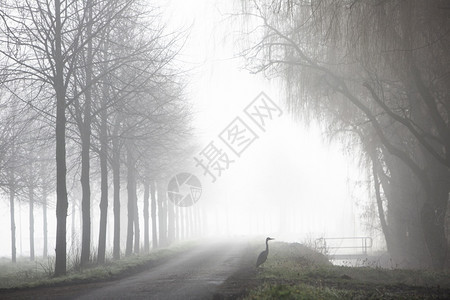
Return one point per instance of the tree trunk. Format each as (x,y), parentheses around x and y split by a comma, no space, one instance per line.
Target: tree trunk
(116,183)
(137,232)
(61,189)
(433,216)
(381,215)
(187,222)
(162,217)
(182,213)
(154,228)
(85,150)
(31,221)
(103,205)
(73,231)
(44,221)
(177,222)
(44,208)
(131,188)
(191,221)
(171,222)
(104,178)
(86,199)
(376,169)
(146,216)
(198,220)
(12,191)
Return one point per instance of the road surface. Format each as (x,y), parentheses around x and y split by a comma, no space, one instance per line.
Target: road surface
(197,274)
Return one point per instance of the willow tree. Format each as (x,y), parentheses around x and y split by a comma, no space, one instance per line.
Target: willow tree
(373,73)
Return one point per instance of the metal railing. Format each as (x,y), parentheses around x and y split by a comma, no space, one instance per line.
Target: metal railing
(333,247)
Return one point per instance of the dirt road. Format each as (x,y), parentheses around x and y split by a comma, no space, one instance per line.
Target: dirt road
(196,274)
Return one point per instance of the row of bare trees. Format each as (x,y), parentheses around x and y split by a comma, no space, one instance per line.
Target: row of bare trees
(24,166)
(376,76)
(89,80)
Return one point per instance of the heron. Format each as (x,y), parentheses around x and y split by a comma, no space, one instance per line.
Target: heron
(263,255)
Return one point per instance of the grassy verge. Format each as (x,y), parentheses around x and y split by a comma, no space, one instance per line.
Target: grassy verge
(25,274)
(294,271)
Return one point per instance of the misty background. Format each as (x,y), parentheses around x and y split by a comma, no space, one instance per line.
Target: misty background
(361,136)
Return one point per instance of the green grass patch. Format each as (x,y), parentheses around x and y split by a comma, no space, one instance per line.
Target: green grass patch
(300,291)
(294,271)
(26,274)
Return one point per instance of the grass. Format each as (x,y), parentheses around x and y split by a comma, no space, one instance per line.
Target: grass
(294,271)
(300,291)
(26,274)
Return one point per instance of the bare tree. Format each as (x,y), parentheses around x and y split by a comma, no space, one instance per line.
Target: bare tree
(15,124)
(41,43)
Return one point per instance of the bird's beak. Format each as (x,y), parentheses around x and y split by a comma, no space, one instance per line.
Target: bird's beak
(271,238)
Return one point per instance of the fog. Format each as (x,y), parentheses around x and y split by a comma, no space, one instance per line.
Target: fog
(338,154)
(295,184)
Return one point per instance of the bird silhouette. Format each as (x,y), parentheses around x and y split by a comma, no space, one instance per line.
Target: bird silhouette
(262,257)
